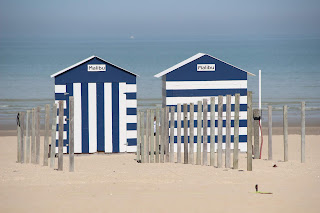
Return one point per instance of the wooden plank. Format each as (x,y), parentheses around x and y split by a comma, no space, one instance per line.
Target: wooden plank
(172,134)
(53,136)
(38,135)
(191,136)
(256,147)
(303,131)
(205,133)
(143,152)
(22,150)
(60,143)
(157,134)
(212,130)
(236,132)
(152,135)
(249,131)
(285,132)
(138,137)
(179,133)
(167,134)
(46,136)
(33,137)
(28,137)
(219,150)
(147,143)
(163,138)
(185,133)
(269,132)
(228,131)
(71,134)
(18,138)
(199,126)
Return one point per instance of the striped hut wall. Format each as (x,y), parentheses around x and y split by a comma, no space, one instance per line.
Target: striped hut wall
(131,117)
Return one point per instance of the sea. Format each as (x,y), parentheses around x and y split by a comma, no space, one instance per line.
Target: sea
(290,67)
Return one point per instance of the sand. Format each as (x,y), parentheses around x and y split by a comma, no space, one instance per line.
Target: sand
(116,183)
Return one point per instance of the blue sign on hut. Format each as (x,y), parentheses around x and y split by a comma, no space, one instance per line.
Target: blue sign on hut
(105,106)
(201,77)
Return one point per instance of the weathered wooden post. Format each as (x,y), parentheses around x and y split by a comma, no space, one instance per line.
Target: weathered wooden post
(138,136)
(191,136)
(147,143)
(185,133)
(167,134)
(71,134)
(249,131)
(205,133)
(220,123)
(28,137)
(53,136)
(46,136)
(22,137)
(38,135)
(18,138)
(157,134)
(60,144)
(256,147)
(163,137)
(228,131)
(212,129)
(152,136)
(172,135)
(236,132)
(179,133)
(143,152)
(269,132)
(303,131)
(199,126)
(285,132)
(33,137)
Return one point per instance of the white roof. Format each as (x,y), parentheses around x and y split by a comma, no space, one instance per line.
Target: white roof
(85,60)
(199,55)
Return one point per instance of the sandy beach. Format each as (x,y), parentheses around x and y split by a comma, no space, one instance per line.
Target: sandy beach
(116,183)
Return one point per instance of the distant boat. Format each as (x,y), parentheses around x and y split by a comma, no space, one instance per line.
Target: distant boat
(132,37)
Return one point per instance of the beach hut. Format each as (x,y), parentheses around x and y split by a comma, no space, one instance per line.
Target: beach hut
(202,76)
(105,106)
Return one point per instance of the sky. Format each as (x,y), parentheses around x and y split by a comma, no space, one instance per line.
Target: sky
(165,18)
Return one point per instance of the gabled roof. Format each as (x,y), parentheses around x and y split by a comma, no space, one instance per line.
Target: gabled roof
(199,55)
(84,61)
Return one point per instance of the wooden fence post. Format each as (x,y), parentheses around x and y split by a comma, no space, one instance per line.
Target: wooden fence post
(191,136)
(138,136)
(285,132)
(157,134)
(205,133)
(46,136)
(303,131)
(38,135)
(172,134)
(152,136)
(249,131)
(179,133)
(143,152)
(167,134)
(71,134)
(228,131)
(185,133)
(163,138)
(33,137)
(212,129)
(18,138)
(22,137)
(53,136)
(256,147)
(28,137)
(199,126)
(236,132)
(220,124)
(269,132)
(60,144)
(147,144)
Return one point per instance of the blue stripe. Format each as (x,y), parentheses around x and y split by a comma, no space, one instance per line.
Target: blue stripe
(242,123)
(131,111)
(100,117)
(115,117)
(84,109)
(131,96)
(132,142)
(60,96)
(242,139)
(243,107)
(131,126)
(205,92)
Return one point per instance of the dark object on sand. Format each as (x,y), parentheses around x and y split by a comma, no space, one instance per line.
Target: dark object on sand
(275,165)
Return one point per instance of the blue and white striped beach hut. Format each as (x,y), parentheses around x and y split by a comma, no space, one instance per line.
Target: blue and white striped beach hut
(202,76)
(105,106)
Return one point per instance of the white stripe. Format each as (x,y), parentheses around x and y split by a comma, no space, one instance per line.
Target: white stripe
(122,117)
(131,103)
(77,118)
(131,119)
(60,88)
(131,148)
(188,85)
(64,120)
(131,88)
(242,147)
(64,104)
(242,131)
(64,149)
(131,134)
(92,114)
(188,100)
(64,135)
(108,117)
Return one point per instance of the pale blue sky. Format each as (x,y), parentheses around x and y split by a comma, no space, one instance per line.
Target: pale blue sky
(147,18)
